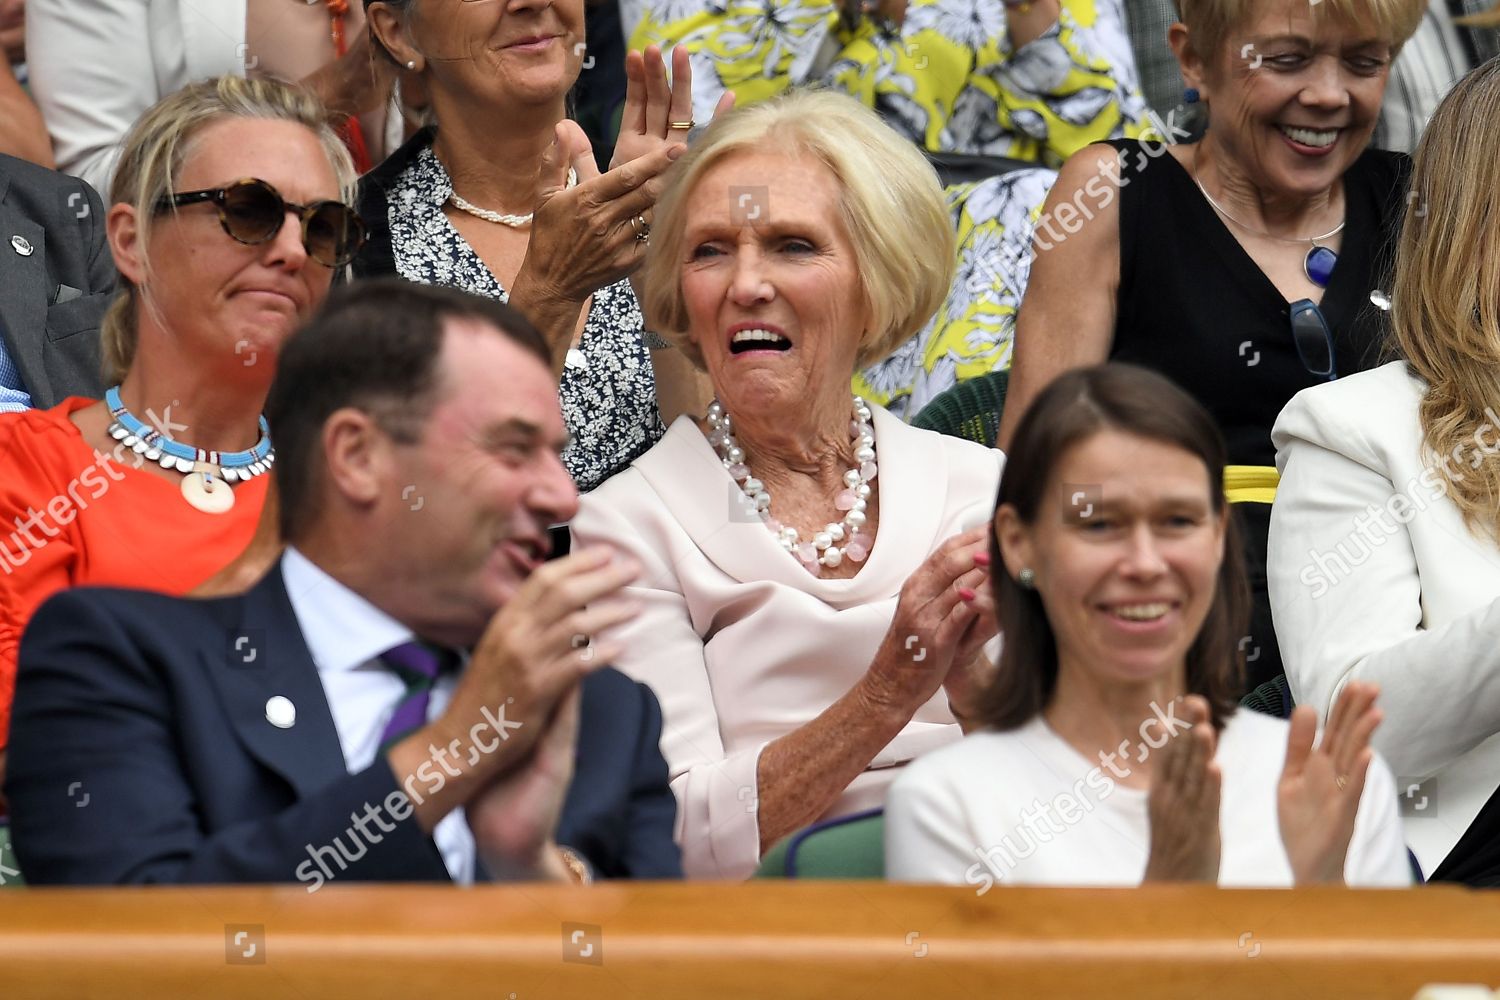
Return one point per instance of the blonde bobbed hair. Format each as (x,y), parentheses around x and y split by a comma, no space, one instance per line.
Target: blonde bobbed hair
(152,157)
(1445,299)
(892,210)
(1212,23)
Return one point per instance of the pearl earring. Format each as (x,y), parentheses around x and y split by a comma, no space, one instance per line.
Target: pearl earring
(411,64)
(1027,579)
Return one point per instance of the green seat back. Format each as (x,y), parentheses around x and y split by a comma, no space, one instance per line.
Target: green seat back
(8,863)
(970,410)
(1274,697)
(852,847)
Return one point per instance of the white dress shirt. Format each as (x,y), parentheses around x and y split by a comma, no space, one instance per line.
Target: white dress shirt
(1374,576)
(742,645)
(345,635)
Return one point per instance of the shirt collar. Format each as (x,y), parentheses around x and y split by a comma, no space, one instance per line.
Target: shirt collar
(343,631)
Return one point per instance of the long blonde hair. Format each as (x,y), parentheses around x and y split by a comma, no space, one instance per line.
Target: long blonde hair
(152,156)
(1445,311)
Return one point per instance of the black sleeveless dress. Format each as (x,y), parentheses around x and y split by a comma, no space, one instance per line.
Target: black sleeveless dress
(1195,307)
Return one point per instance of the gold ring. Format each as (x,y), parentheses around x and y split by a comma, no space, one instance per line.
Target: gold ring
(1341,781)
(642,228)
(683,125)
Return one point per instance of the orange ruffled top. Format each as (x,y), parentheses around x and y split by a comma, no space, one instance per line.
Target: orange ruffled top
(70,515)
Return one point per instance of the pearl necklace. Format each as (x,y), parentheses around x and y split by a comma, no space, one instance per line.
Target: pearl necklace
(513,221)
(824,548)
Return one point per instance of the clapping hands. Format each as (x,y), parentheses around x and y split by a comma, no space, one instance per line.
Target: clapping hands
(1183,804)
(1318,796)
(652,104)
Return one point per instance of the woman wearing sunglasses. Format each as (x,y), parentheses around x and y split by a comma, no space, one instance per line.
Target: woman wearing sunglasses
(229,216)
(1243,266)
(1384,559)
(502,198)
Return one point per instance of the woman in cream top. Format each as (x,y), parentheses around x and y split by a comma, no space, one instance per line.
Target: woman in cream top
(1384,565)
(813,593)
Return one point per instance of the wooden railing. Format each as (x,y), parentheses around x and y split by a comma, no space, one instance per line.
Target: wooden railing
(762,941)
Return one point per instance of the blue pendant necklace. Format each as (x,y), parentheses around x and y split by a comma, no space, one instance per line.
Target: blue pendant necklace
(1319,262)
(208,474)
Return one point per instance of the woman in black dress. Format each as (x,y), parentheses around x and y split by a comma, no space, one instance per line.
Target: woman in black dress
(1246,266)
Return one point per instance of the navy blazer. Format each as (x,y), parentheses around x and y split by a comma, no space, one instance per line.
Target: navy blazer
(51,235)
(140,752)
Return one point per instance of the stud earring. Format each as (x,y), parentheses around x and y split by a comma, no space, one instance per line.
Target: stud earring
(411,64)
(1191,96)
(1027,579)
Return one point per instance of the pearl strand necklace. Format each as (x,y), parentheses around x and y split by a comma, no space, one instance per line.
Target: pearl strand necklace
(824,548)
(501,218)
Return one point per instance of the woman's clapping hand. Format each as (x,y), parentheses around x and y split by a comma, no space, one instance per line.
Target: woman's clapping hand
(652,103)
(1183,804)
(584,238)
(935,629)
(1318,796)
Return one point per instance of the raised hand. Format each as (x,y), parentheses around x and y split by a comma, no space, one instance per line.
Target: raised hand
(515,819)
(536,649)
(1318,795)
(652,103)
(972,668)
(1183,804)
(585,237)
(933,625)
(534,652)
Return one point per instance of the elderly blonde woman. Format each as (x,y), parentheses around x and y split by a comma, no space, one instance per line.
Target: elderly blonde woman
(230,212)
(1242,266)
(812,596)
(1384,560)
(1029,82)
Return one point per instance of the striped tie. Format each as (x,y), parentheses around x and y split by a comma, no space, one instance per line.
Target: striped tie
(418,665)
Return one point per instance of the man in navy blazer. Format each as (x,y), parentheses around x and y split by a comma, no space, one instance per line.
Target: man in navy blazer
(411,693)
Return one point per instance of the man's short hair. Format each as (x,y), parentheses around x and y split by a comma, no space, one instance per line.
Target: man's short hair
(373,346)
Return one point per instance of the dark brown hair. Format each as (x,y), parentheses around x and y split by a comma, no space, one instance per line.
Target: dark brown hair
(1075,407)
(374,346)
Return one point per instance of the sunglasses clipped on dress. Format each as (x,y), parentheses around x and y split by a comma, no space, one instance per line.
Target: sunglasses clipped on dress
(253,212)
(1313,339)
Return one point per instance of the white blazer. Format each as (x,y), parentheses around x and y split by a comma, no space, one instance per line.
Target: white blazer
(1373,576)
(97,65)
(742,645)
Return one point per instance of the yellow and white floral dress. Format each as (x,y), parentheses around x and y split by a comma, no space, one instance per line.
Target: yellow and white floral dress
(949,79)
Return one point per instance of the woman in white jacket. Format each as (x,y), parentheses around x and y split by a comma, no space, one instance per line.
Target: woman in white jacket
(97,65)
(1384,564)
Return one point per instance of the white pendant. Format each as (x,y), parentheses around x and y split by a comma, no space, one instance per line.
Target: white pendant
(208,493)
